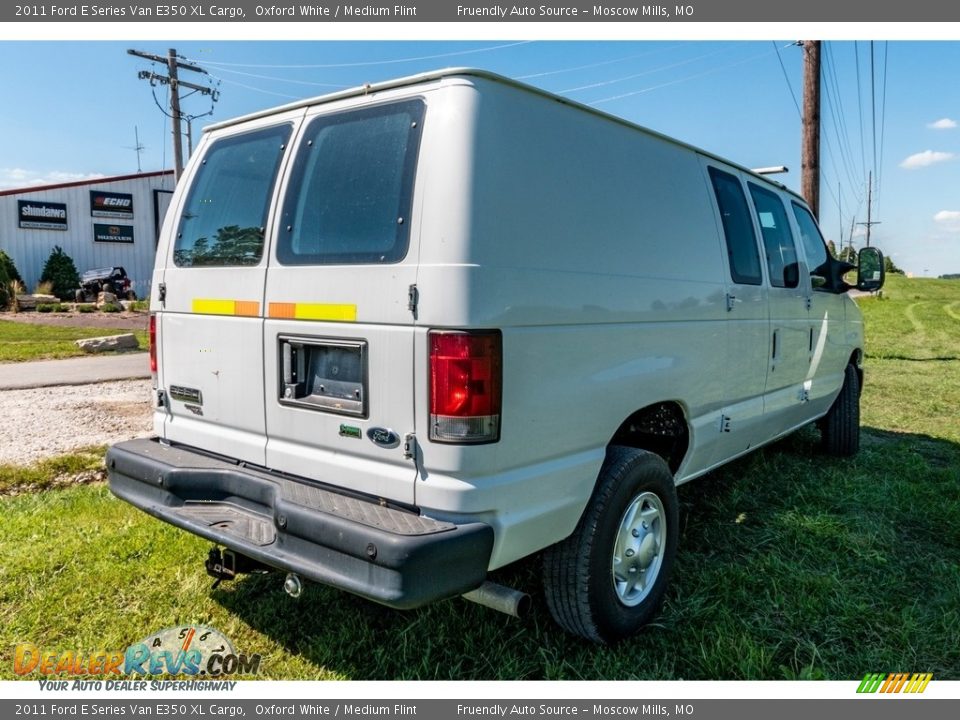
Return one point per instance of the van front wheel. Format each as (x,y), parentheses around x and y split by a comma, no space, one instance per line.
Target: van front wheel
(840,427)
(608,579)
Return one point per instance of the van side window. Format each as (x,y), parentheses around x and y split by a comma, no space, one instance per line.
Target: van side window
(813,246)
(737,228)
(223,220)
(777,238)
(352,187)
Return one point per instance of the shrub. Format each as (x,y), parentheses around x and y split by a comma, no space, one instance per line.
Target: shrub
(111,308)
(50,307)
(86,308)
(4,286)
(6,263)
(60,271)
(14,288)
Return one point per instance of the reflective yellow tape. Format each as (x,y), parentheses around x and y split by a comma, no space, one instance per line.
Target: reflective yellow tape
(313,311)
(207,306)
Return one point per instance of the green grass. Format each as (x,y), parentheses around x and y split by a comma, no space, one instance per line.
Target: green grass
(791,565)
(20,342)
(51,471)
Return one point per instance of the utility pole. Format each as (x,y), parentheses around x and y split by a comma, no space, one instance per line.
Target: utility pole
(853,222)
(174,64)
(810,150)
(869,223)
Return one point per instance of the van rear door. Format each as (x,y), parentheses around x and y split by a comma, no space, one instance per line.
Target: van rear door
(210,326)
(338,342)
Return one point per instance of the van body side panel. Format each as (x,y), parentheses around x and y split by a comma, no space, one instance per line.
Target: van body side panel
(592,247)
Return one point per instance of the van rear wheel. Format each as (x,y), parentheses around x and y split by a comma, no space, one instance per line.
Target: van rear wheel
(608,579)
(840,427)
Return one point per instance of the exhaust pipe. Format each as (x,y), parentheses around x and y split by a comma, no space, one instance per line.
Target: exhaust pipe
(500,598)
(293,585)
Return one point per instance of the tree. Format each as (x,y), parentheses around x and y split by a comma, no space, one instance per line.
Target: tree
(7,265)
(60,271)
(4,285)
(889,267)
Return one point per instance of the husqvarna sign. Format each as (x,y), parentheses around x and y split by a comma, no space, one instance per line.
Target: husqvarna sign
(33,214)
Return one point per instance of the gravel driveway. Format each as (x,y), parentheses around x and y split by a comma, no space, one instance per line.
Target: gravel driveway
(50,421)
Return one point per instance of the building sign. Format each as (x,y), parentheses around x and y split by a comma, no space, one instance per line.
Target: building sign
(42,215)
(110,204)
(112,233)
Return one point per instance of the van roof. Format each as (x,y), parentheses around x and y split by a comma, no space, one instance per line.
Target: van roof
(434,75)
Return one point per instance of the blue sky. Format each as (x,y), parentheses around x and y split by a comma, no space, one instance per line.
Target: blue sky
(71,109)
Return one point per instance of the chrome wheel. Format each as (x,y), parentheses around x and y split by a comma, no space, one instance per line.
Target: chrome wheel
(637,550)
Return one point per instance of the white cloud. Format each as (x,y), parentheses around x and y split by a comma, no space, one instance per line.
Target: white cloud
(948,217)
(925,159)
(21,178)
(943,124)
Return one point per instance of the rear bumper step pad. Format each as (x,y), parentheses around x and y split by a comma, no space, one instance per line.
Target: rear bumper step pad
(389,555)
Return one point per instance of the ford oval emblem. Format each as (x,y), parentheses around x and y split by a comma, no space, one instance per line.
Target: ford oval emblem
(383,437)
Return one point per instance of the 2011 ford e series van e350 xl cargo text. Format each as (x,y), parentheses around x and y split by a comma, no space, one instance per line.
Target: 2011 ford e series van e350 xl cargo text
(407,334)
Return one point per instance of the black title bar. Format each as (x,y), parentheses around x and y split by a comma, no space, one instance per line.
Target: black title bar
(734,11)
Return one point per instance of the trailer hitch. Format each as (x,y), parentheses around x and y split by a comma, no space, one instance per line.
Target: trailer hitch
(226,565)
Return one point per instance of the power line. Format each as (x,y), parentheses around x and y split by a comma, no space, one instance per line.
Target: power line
(835,116)
(679,80)
(786,77)
(653,71)
(274,78)
(835,98)
(883,120)
(873,105)
(863,152)
(369,63)
(256,89)
(598,64)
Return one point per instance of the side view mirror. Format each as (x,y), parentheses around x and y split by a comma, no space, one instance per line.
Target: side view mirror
(870,271)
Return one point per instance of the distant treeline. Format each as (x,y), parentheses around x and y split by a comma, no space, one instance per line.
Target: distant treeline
(951,276)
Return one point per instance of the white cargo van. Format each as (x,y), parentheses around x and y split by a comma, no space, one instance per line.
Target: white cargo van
(410,333)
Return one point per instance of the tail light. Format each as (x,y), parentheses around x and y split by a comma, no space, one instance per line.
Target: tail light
(153,345)
(465,381)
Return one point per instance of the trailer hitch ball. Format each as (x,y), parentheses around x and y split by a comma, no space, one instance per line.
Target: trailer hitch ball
(293,585)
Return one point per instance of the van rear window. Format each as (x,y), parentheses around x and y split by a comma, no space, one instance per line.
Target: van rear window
(737,228)
(226,210)
(352,186)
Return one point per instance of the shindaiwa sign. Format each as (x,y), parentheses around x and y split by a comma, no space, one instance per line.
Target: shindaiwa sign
(34,214)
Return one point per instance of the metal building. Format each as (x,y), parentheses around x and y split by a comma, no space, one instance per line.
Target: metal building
(98,223)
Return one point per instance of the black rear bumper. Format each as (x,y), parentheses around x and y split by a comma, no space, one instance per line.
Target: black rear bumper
(386,554)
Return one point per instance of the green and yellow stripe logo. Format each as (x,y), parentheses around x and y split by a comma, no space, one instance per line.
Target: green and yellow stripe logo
(894,683)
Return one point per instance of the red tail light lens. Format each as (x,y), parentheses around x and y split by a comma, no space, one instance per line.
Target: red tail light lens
(465,382)
(153,344)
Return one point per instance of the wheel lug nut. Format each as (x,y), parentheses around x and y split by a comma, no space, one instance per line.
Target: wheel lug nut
(643,525)
(630,553)
(635,532)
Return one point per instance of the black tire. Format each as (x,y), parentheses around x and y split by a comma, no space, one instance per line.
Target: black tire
(131,295)
(840,427)
(582,590)
(79,297)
